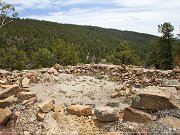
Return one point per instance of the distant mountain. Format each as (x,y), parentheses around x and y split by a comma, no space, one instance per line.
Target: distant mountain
(29,35)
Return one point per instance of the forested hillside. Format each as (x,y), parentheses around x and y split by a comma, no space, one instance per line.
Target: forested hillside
(31,42)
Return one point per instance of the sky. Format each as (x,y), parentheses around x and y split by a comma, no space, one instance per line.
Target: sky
(133,15)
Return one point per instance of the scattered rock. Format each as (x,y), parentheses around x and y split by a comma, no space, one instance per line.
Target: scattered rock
(176,69)
(137,116)
(79,110)
(27,133)
(6,102)
(47,106)
(106,114)
(31,100)
(54,71)
(12,90)
(23,90)
(4,72)
(115,94)
(24,96)
(3,82)
(4,115)
(40,115)
(164,96)
(140,72)
(58,108)
(25,82)
(171,83)
(57,66)
(17,114)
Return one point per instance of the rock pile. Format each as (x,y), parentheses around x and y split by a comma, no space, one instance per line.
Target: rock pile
(134,75)
(149,91)
(124,73)
(20,78)
(11,95)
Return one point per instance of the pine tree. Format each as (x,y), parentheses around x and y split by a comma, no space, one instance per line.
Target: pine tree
(166,45)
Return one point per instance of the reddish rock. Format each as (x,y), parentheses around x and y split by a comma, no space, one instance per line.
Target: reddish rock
(79,110)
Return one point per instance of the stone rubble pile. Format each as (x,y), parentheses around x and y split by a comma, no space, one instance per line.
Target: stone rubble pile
(13,94)
(132,75)
(150,90)
(125,73)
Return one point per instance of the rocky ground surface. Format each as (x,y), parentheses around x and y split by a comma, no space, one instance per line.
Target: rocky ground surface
(90,99)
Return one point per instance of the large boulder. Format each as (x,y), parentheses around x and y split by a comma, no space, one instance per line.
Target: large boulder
(10,91)
(6,102)
(4,115)
(137,116)
(107,113)
(153,98)
(47,106)
(79,110)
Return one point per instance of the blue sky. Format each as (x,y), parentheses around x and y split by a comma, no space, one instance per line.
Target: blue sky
(133,15)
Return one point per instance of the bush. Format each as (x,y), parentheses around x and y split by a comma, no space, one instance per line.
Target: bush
(124,55)
(42,58)
(65,53)
(12,58)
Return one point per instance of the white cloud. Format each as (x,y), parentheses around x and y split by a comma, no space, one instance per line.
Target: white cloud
(135,15)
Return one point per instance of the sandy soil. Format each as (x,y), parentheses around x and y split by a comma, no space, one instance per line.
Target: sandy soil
(68,89)
(76,89)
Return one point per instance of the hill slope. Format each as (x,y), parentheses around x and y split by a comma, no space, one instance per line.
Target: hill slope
(29,35)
